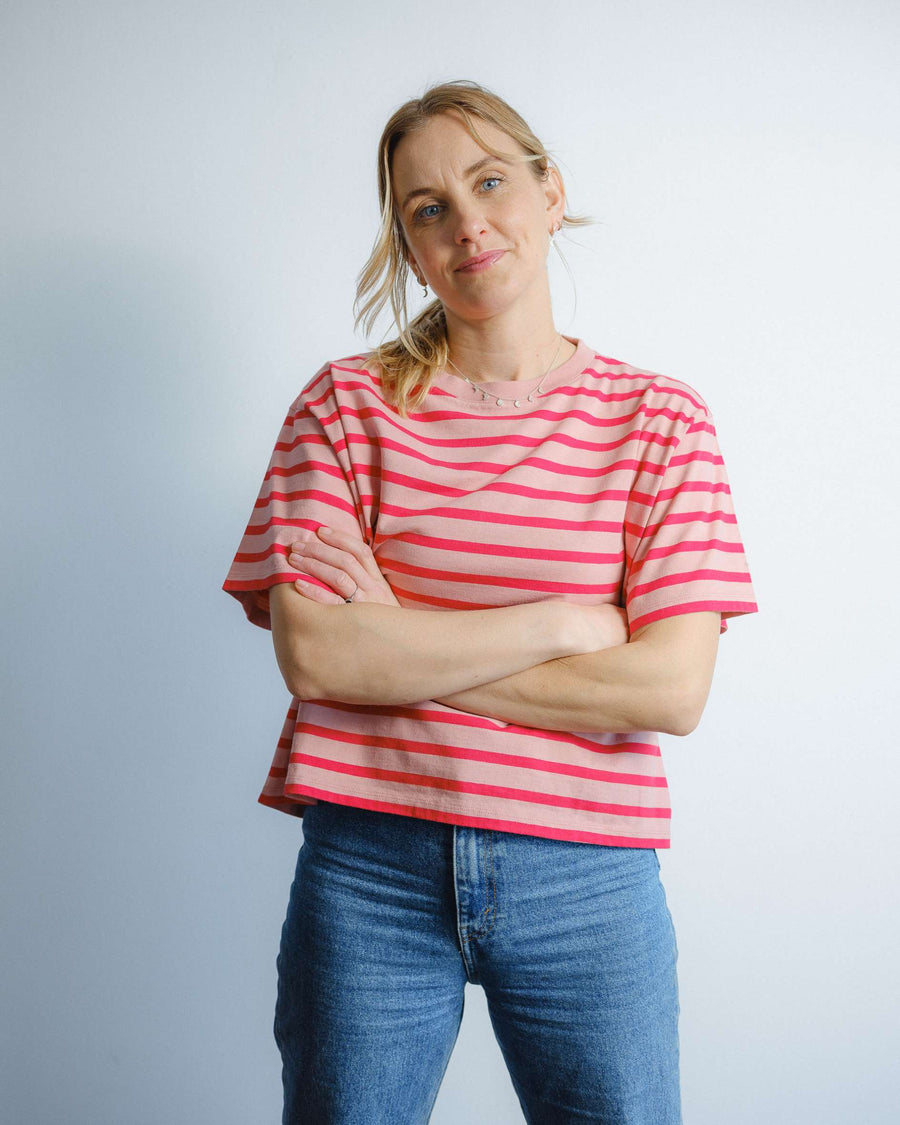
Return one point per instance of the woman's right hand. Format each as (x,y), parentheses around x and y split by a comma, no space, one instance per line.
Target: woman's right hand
(345,563)
(595,627)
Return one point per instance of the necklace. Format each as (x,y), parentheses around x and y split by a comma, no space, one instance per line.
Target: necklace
(516,402)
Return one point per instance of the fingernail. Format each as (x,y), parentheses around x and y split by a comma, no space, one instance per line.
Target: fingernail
(323,530)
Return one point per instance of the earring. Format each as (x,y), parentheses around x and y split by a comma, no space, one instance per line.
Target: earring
(424,286)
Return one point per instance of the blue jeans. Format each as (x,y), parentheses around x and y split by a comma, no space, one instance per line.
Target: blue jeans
(389,916)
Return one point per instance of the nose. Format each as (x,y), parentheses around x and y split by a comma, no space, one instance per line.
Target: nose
(470,224)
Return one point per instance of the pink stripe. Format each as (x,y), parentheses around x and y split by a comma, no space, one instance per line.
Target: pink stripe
(459,603)
(452,786)
(466,546)
(502,518)
(490,440)
(687,547)
(557,468)
(644,588)
(307,437)
(465,719)
(653,385)
(308,466)
(364,413)
(456,753)
(279,521)
(432,488)
(692,486)
(470,577)
(720,605)
(307,494)
(694,457)
(678,518)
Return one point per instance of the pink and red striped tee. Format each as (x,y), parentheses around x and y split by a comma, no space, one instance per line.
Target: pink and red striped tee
(608,487)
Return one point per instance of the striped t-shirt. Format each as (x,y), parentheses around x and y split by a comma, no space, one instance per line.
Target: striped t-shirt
(608,487)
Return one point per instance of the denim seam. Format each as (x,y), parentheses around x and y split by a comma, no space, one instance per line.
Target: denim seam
(491,908)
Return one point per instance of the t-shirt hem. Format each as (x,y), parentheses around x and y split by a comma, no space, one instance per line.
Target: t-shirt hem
(727,609)
(416,812)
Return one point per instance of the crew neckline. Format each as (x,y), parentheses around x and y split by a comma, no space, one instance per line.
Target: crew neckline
(464,394)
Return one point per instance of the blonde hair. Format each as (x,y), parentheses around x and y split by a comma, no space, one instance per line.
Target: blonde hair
(410,362)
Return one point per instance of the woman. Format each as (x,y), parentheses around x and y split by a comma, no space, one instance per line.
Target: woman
(517,557)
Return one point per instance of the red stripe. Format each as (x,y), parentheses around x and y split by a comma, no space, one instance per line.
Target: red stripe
(556,468)
(450,785)
(307,466)
(475,516)
(420,438)
(454,752)
(432,488)
(504,550)
(308,437)
(503,581)
(696,455)
(453,718)
(651,529)
(644,588)
(592,420)
(307,494)
(282,521)
(235,585)
(659,387)
(719,605)
(693,486)
(687,547)
(597,590)
(526,441)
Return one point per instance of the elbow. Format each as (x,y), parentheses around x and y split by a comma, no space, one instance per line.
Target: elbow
(681,724)
(297,680)
(683,712)
(311,680)
(301,678)
(324,679)
(300,685)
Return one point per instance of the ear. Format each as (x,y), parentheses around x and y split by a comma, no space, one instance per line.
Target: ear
(555,196)
(413,265)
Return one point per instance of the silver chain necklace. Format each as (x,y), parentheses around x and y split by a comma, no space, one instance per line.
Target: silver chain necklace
(516,402)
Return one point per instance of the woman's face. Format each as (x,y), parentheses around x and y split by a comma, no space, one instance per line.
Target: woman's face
(457,203)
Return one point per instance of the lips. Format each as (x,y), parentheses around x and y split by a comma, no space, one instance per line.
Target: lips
(481,262)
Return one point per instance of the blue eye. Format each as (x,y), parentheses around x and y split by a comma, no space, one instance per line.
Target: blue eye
(491,180)
(428,211)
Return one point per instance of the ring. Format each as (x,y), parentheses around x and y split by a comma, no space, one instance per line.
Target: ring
(350,599)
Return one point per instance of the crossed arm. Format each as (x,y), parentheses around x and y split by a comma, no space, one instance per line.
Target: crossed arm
(548,665)
(657,681)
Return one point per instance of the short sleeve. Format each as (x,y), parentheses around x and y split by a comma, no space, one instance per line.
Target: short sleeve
(683,549)
(308,484)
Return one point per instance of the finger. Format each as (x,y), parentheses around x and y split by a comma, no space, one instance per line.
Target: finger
(352,545)
(332,556)
(316,593)
(340,579)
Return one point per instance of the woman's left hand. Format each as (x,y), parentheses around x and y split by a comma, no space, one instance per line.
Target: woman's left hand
(342,562)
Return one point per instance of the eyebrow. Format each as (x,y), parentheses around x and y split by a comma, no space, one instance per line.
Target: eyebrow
(470,171)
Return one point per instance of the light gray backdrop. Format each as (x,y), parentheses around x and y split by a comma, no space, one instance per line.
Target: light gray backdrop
(188,194)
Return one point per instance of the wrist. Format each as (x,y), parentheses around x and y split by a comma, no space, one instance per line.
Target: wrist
(565,627)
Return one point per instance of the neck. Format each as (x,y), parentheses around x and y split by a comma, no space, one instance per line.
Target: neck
(493,351)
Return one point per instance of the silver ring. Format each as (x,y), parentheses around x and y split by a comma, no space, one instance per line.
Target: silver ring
(350,599)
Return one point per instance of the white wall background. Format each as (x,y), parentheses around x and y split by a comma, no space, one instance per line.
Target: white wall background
(188,194)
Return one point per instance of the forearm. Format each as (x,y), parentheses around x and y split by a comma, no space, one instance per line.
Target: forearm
(381,654)
(624,689)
